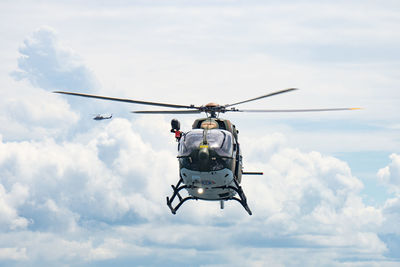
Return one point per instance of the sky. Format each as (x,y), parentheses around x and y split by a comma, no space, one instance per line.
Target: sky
(78,192)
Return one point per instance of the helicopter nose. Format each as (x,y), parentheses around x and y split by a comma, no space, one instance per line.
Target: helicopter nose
(203,154)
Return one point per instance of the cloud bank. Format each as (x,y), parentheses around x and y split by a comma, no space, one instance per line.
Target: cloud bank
(99,197)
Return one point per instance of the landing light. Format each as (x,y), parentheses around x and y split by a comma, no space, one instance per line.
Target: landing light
(200,190)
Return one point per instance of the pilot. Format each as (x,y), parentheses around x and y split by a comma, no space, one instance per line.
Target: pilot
(209,124)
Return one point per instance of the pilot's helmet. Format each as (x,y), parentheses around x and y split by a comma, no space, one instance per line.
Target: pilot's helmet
(209,124)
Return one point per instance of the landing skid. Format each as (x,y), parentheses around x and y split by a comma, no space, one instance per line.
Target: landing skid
(237,188)
(177,189)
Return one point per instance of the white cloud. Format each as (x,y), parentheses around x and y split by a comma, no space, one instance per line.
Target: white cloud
(390,175)
(32,113)
(308,197)
(9,204)
(391,211)
(109,176)
(389,231)
(72,180)
(13,253)
(45,63)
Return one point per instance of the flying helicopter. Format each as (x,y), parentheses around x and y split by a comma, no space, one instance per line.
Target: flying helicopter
(100,117)
(209,155)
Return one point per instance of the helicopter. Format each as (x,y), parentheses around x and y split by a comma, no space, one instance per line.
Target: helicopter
(100,117)
(209,155)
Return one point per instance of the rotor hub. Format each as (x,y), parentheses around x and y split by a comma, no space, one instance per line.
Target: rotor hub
(212,105)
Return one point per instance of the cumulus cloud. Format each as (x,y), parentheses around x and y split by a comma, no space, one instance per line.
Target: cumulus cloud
(390,175)
(389,232)
(391,210)
(110,175)
(13,253)
(32,113)
(109,179)
(28,109)
(308,198)
(9,204)
(47,64)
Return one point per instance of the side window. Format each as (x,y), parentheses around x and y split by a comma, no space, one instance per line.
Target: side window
(225,144)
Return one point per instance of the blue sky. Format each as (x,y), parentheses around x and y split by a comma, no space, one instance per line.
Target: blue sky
(83,193)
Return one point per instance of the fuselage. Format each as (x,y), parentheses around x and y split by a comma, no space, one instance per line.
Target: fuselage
(101,117)
(210,160)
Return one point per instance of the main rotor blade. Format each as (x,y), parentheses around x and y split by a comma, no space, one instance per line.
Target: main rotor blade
(267,95)
(291,110)
(167,111)
(126,100)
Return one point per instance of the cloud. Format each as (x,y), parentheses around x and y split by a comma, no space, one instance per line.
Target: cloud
(9,204)
(47,64)
(390,175)
(28,113)
(391,211)
(110,180)
(107,175)
(308,198)
(28,109)
(389,232)
(13,253)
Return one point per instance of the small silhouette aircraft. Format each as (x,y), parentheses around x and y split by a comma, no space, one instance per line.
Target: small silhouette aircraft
(100,117)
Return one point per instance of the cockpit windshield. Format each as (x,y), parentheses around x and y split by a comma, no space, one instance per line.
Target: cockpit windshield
(218,140)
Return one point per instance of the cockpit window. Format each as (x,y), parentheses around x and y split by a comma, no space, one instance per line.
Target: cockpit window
(218,140)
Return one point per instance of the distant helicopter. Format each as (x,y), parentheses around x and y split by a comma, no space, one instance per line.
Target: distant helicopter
(100,117)
(209,155)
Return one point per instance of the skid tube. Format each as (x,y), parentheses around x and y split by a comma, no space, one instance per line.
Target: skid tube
(238,189)
(176,189)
